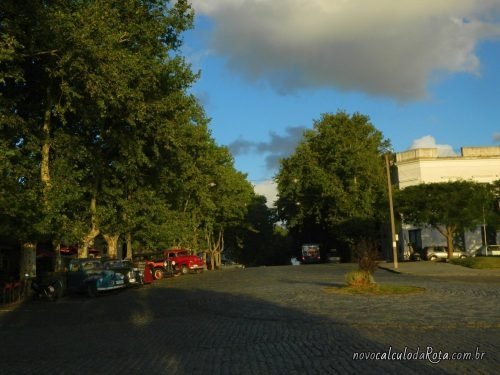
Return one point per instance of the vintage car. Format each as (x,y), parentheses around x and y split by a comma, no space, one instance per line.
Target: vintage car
(184,262)
(88,275)
(133,275)
(154,263)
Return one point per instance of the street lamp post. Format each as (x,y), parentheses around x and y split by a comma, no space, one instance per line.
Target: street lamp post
(391,209)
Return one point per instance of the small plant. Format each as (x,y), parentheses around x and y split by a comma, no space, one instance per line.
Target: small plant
(366,253)
(359,278)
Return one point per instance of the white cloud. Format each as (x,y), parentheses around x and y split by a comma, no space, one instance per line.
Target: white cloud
(429,142)
(269,190)
(384,47)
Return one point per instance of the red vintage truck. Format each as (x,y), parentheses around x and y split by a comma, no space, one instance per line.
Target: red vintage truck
(182,261)
(158,266)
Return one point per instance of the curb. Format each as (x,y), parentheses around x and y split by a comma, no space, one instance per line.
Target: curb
(390,270)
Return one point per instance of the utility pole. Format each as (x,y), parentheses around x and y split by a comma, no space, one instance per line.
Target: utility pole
(391,209)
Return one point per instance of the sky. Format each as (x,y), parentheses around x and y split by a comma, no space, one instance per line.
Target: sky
(426,72)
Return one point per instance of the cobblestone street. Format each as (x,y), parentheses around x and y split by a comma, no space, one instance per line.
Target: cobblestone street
(267,320)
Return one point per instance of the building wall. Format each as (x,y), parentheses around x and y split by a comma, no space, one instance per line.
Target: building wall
(479,164)
(425,165)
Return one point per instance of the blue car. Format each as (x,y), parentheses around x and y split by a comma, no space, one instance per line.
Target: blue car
(88,275)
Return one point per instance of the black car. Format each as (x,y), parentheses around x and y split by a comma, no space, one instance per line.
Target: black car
(132,275)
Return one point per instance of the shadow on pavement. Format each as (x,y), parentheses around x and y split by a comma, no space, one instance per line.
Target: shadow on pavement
(159,329)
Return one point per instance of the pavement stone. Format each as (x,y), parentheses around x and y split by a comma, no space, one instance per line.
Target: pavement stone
(266,320)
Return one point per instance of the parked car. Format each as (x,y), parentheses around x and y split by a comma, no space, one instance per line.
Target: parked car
(88,275)
(441,253)
(156,262)
(133,275)
(488,250)
(309,253)
(333,256)
(229,263)
(183,262)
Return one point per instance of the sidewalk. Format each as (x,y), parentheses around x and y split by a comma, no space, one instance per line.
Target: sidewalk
(429,268)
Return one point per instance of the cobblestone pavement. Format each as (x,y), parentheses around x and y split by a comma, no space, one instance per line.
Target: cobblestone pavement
(268,320)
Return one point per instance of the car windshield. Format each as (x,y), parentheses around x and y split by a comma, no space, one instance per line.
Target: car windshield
(118,264)
(89,265)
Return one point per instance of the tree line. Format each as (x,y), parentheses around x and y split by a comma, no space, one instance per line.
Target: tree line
(100,135)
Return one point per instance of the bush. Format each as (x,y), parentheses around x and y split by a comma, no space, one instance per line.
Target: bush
(359,278)
(366,253)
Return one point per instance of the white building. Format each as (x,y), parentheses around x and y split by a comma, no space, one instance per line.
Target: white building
(425,165)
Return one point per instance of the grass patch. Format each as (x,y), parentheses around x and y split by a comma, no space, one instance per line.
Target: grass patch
(375,290)
(482,263)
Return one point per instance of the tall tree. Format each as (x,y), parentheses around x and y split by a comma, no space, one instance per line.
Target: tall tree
(102,77)
(448,207)
(333,185)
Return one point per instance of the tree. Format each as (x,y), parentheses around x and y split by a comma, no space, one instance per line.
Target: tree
(262,240)
(334,181)
(86,89)
(448,207)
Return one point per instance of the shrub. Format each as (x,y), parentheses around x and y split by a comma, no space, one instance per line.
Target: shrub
(366,253)
(359,278)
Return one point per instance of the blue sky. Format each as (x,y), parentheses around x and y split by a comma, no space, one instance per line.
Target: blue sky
(426,72)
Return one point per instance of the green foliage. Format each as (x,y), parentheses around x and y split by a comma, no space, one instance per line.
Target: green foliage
(335,180)
(487,263)
(99,91)
(449,207)
(261,241)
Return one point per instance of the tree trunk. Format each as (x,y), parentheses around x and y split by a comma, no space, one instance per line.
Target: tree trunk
(88,240)
(28,260)
(45,162)
(112,242)
(220,248)
(129,246)
(212,261)
(449,240)
(58,265)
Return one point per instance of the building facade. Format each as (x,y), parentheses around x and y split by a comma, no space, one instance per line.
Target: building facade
(426,165)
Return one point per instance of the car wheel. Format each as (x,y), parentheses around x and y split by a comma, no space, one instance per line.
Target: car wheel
(58,293)
(184,270)
(92,290)
(158,273)
(433,258)
(140,280)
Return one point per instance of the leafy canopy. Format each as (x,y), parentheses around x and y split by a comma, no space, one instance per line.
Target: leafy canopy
(335,178)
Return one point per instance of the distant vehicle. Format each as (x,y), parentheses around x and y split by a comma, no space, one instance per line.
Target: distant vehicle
(441,253)
(488,250)
(333,256)
(229,263)
(309,253)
